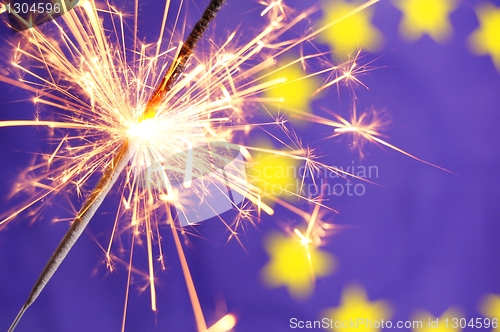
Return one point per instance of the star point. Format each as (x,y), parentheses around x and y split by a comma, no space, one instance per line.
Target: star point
(351,32)
(444,323)
(295,265)
(426,17)
(273,173)
(357,313)
(295,93)
(490,307)
(485,40)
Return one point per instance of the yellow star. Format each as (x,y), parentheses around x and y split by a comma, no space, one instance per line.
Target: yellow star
(486,38)
(294,94)
(445,323)
(274,173)
(351,32)
(429,17)
(490,307)
(357,314)
(295,265)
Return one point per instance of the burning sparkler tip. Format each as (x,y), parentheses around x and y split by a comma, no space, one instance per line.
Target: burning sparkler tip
(225,324)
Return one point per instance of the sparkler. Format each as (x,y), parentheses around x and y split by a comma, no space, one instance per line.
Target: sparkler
(133,113)
(120,160)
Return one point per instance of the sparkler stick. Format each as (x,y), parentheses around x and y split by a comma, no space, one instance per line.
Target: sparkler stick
(119,162)
(180,62)
(86,213)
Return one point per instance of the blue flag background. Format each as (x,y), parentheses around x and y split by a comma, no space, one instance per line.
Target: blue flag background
(422,240)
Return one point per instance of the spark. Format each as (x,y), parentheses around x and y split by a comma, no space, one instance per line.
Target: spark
(363,128)
(225,324)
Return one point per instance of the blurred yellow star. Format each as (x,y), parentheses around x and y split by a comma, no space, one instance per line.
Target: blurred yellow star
(295,265)
(445,323)
(490,307)
(273,172)
(351,32)
(429,17)
(356,313)
(486,38)
(295,93)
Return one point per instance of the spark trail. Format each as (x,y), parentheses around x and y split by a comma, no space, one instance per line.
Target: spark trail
(118,163)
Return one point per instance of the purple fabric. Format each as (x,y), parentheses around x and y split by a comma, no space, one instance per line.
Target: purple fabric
(426,239)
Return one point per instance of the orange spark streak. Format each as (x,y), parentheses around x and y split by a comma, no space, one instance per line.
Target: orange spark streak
(195,302)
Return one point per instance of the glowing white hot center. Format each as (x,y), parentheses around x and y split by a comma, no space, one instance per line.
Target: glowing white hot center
(142,131)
